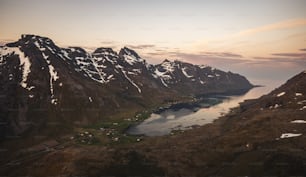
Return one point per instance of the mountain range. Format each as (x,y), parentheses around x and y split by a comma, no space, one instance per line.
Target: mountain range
(50,97)
(42,84)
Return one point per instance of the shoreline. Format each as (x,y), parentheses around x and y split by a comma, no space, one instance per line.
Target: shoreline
(194,104)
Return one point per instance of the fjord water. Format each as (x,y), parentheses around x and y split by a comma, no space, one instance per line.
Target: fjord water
(182,119)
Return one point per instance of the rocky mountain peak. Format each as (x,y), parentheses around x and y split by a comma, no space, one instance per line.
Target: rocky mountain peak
(128,51)
(166,61)
(130,56)
(104,50)
(35,39)
(77,50)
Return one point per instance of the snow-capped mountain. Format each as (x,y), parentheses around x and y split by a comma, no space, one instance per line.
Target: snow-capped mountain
(189,77)
(41,82)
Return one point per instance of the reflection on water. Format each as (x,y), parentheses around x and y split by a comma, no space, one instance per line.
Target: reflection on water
(168,120)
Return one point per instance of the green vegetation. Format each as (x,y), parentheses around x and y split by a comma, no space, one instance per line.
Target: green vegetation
(112,132)
(121,125)
(86,138)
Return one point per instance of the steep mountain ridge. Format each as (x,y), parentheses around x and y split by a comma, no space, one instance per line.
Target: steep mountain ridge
(199,79)
(42,82)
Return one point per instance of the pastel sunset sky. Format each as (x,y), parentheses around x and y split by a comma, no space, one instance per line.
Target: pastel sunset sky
(259,38)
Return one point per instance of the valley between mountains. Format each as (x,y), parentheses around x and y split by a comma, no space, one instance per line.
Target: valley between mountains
(64,112)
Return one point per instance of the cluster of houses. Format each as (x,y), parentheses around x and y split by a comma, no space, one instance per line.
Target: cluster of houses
(84,138)
(113,135)
(110,132)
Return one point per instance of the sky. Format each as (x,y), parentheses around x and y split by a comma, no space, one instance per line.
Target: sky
(261,39)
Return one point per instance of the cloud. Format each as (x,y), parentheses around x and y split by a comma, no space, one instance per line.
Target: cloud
(265,58)
(272,58)
(111,44)
(300,35)
(300,62)
(196,58)
(226,59)
(160,50)
(274,26)
(108,42)
(223,54)
(295,58)
(294,55)
(210,58)
(143,46)
(155,53)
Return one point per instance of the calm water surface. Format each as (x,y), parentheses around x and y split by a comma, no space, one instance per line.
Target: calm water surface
(168,120)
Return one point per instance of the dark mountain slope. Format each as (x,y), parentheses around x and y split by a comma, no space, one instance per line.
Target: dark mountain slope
(43,83)
(262,137)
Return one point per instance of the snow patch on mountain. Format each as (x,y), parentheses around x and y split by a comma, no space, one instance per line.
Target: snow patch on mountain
(281,94)
(163,82)
(302,102)
(204,66)
(130,59)
(53,77)
(130,56)
(52,72)
(290,135)
(168,66)
(185,73)
(202,82)
(131,81)
(163,75)
(100,72)
(90,64)
(298,121)
(304,107)
(24,63)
